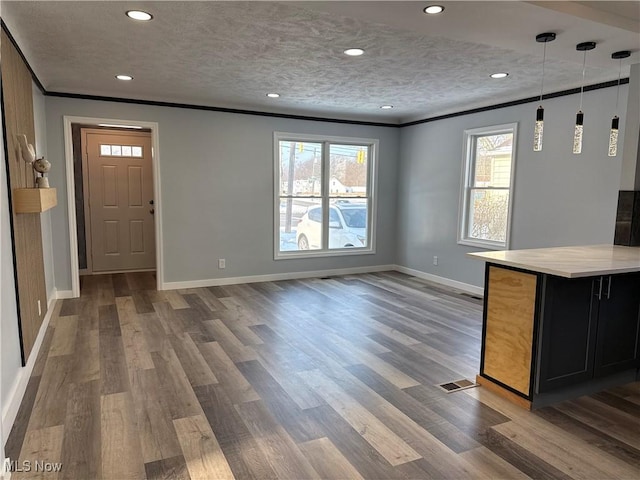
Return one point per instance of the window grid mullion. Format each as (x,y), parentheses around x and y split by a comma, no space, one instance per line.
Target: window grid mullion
(325,194)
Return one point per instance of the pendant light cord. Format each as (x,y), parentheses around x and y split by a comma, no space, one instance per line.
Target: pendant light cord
(584,66)
(618,89)
(544,57)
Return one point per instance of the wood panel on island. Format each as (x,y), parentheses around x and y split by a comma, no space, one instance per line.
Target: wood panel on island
(561,322)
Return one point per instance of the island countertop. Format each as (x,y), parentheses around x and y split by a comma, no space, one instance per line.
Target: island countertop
(569,262)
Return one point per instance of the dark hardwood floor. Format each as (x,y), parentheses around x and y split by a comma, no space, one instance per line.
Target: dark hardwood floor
(322,378)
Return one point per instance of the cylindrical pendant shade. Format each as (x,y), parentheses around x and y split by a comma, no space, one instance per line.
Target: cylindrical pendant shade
(538,130)
(577,133)
(613,137)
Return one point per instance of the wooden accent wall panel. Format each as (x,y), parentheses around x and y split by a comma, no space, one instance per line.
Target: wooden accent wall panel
(27,234)
(509,327)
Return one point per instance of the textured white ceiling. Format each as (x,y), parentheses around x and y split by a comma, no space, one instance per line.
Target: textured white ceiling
(230,54)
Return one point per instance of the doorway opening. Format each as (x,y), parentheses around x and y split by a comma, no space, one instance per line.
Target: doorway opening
(113,197)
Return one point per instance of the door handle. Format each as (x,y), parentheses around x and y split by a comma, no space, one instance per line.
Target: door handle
(599,294)
(152,211)
(150,202)
(609,288)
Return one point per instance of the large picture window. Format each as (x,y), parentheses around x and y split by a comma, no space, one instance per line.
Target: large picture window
(487,184)
(324,195)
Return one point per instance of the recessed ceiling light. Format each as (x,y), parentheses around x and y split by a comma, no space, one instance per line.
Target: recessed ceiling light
(273,95)
(499,75)
(139,15)
(433,9)
(124,77)
(386,107)
(354,52)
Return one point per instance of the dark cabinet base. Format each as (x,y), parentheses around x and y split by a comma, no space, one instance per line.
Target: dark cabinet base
(618,333)
(558,395)
(585,334)
(568,332)
(590,387)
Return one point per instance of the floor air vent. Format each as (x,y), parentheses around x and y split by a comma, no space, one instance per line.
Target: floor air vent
(457,385)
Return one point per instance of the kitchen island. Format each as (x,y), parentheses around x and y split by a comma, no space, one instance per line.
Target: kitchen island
(560,322)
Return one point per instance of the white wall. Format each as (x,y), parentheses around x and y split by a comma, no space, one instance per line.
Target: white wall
(217,189)
(3,227)
(560,198)
(10,362)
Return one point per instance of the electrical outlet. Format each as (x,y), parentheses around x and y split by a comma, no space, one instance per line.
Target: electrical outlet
(39,309)
(435,260)
(222,263)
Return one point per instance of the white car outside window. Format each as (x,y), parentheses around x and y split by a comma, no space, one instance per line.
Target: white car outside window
(347,227)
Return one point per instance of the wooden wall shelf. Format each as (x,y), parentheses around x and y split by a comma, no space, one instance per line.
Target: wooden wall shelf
(34,200)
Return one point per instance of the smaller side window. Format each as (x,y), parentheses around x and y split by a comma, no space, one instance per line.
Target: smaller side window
(487,186)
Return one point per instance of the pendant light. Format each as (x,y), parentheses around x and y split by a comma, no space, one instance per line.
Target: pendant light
(539,127)
(613,134)
(577,133)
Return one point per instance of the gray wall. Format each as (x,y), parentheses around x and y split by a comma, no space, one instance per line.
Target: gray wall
(217,189)
(216,180)
(560,198)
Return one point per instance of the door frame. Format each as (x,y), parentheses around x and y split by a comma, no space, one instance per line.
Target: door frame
(71,193)
(84,131)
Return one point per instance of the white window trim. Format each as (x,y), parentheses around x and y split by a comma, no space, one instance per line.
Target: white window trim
(372,195)
(467,166)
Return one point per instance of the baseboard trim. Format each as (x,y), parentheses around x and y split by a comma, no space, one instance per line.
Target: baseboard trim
(62,294)
(215,282)
(465,287)
(10,410)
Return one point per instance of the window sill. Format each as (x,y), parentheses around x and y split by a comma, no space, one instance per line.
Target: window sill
(323,253)
(483,244)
